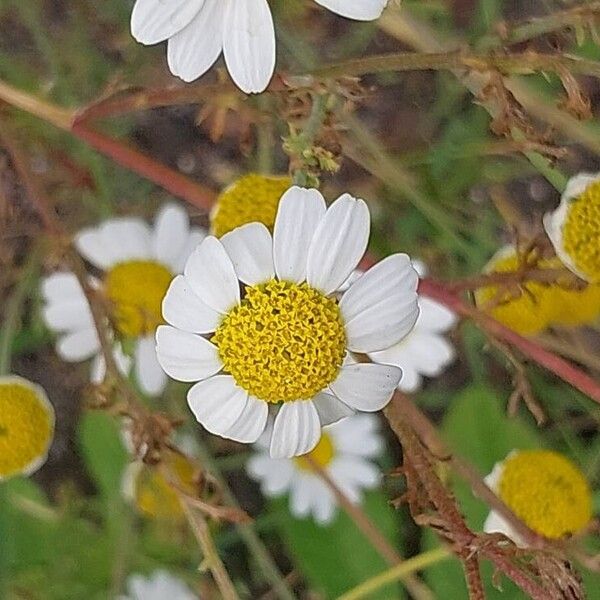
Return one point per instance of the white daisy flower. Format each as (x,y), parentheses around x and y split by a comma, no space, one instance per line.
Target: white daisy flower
(26,426)
(199,30)
(424,351)
(161,585)
(282,342)
(544,489)
(348,463)
(138,263)
(574,227)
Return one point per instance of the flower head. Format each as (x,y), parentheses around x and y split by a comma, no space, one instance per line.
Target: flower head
(252,198)
(347,461)
(137,264)
(26,426)
(545,490)
(279,336)
(147,488)
(425,351)
(198,30)
(539,304)
(574,227)
(160,585)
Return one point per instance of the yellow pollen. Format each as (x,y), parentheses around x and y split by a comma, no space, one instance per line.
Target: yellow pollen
(285,341)
(26,427)
(252,198)
(527,312)
(581,232)
(135,290)
(322,454)
(547,491)
(155,496)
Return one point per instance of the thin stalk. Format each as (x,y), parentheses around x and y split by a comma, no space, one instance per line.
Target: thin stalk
(417,588)
(398,572)
(211,557)
(253,542)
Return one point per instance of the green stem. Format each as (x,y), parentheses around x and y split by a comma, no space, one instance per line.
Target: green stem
(400,571)
(310,132)
(13,308)
(247,533)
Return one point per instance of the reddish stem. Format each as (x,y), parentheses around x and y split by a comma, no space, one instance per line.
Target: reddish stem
(555,364)
(175,183)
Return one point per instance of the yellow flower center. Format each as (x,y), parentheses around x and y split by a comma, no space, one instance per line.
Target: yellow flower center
(26,428)
(527,311)
(136,290)
(252,198)
(285,341)
(547,491)
(581,232)
(155,496)
(322,454)
(538,305)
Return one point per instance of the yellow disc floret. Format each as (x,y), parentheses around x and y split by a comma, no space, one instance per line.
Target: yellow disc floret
(527,311)
(547,491)
(581,232)
(26,426)
(322,454)
(155,496)
(252,198)
(136,290)
(285,341)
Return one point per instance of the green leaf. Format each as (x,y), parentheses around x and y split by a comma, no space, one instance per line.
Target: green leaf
(338,557)
(103,451)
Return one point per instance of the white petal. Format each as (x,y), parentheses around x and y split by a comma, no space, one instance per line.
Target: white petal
(183,309)
(359,10)
(324,508)
(339,243)
(495,523)
(434,316)
(171,229)
(62,286)
(210,273)
(149,374)
(578,184)
(98,368)
(194,49)
(361,426)
(355,471)
(78,345)
(128,238)
(91,246)
(251,423)
(411,380)
(153,21)
(275,474)
(366,386)
(68,315)
(299,213)
(185,356)
(217,403)
(304,487)
(330,409)
(380,308)
(249,44)
(297,429)
(250,248)
(194,239)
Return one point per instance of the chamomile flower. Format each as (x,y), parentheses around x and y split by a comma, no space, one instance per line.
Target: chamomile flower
(574,227)
(199,30)
(545,490)
(345,452)
(26,426)
(424,351)
(252,198)
(539,305)
(137,264)
(280,341)
(147,488)
(161,585)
